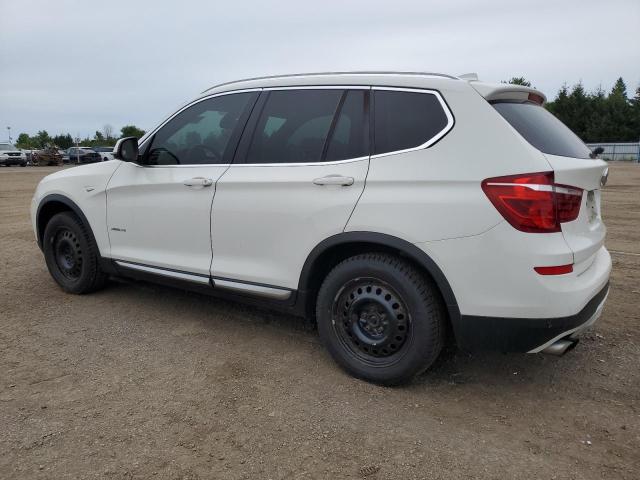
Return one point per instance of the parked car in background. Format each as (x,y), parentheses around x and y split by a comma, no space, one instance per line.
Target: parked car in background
(46,157)
(28,152)
(10,155)
(105,152)
(83,155)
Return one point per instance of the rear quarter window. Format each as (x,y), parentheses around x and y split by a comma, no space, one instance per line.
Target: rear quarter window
(542,129)
(404,120)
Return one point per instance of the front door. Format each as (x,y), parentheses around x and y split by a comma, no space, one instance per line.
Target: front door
(159,211)
(299,171)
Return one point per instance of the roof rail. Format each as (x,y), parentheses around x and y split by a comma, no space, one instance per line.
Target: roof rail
(382,72)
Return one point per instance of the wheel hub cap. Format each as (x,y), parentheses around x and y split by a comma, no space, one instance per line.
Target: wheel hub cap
(68,254)
(371,318)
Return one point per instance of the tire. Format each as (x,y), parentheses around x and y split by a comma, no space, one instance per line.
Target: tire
(380,318)
(72,255)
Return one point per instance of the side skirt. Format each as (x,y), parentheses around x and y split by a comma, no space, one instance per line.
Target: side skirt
(256,294)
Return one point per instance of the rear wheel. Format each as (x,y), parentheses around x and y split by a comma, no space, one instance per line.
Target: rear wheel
(380,318)
(71,254)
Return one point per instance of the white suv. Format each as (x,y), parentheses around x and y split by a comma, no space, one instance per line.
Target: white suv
(392,207)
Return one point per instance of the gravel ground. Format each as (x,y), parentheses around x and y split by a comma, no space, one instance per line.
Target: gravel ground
(142,381)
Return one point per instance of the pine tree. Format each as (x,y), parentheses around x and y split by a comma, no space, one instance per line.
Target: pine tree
(619,111)
(635,116)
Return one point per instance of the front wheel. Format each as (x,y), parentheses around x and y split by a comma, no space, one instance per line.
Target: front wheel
(380,318)
(72,255)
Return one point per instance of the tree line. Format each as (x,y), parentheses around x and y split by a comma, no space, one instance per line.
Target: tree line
(102,138)
(595,116)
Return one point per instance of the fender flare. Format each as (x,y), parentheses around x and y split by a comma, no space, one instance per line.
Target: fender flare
(57,198)
(405,248)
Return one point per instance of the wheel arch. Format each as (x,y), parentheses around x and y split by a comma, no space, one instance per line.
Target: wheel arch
(336,248)
(53,204)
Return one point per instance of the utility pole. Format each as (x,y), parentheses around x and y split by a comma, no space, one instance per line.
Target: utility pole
(77,149)
(9,129)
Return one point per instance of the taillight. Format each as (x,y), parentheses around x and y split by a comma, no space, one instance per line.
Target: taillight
(532,202)
(556,270)
(535,98)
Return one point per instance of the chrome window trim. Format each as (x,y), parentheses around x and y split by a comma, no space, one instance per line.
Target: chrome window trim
(320,87)
(310,164)
(190,165)
(227,165)
(427,144)
(432,140)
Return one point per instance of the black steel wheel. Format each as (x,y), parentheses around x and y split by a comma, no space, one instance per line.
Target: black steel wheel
(68,253)
(372,320)
(380,318)
(71,254)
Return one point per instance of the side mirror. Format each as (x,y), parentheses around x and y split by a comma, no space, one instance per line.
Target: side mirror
(126,149)
(596,151)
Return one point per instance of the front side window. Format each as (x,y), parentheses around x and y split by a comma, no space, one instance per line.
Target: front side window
(200,134)
(404,120)
(308,126)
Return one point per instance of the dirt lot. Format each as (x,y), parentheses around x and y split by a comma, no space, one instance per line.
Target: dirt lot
(142,381)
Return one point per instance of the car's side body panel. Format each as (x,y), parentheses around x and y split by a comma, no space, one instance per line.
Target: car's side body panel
(268,218)
(153,218)
(434,193)
(85,186)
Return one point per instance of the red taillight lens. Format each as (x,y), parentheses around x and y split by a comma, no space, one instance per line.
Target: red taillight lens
(568,200)
(532,202)
(556,270)
(535,98)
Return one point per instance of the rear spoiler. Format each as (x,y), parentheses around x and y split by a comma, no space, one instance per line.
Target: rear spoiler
(508,91)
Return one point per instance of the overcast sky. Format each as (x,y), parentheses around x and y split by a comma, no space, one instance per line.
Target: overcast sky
(74,66)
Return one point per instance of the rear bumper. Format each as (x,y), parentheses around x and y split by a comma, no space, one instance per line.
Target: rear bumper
(530,335)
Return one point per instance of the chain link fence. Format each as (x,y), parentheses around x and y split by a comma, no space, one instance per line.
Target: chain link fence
(625,152)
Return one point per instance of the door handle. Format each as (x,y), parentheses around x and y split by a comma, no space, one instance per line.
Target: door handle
(198,182)
(334,180)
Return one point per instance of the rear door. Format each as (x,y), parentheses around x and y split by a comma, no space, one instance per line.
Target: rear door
(299,171)
(570,159)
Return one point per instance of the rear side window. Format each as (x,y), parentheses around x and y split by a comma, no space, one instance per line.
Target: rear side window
(308,126)
(542,129)
(350,136)
(404,120)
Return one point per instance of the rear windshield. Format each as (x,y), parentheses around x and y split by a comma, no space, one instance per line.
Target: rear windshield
(542,130)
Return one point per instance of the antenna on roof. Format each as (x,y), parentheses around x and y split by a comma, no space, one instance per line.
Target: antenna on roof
(469,77)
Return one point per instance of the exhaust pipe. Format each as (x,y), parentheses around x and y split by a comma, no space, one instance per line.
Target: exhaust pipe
(560,347)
